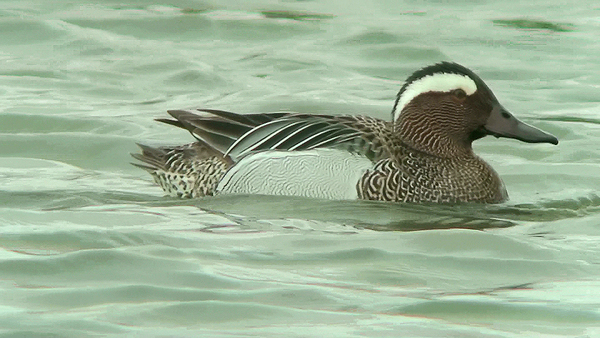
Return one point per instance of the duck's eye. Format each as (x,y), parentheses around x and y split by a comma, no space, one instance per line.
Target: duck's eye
(459,93)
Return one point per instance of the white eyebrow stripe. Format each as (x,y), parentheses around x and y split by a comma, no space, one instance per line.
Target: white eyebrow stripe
(435,83)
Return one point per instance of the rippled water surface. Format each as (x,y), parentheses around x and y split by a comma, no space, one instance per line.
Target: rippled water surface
(91,247)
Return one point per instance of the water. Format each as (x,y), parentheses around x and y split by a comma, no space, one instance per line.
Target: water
(90,247)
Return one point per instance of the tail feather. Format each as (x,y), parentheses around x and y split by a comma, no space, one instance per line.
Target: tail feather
(154,158)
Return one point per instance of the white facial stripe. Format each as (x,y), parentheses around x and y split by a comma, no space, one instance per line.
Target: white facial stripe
(435,83)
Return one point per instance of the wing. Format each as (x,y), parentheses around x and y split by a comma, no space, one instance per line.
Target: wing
(294,132)
(236,135)
(218,129)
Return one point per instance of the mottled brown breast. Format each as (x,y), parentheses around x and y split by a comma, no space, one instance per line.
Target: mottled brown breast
(413,176)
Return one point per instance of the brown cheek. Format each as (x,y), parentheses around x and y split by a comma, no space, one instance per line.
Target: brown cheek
(477,113)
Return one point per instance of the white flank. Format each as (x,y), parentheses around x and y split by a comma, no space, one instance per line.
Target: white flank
(435,83)
(317,173)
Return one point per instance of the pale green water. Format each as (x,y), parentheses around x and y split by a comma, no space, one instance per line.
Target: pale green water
(90,247)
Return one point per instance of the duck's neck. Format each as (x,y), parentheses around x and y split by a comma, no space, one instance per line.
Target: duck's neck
(431,137)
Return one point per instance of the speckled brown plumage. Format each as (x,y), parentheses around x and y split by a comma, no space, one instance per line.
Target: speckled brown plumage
(188,171)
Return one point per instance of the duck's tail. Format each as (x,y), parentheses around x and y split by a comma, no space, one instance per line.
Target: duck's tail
(187,171)
(194,170)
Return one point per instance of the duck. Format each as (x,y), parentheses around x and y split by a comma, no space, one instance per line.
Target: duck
(423,154)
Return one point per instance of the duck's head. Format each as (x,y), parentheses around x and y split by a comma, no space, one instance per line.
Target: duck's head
(441,109)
